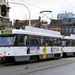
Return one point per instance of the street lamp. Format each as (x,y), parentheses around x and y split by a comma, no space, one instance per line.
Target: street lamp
(26,7)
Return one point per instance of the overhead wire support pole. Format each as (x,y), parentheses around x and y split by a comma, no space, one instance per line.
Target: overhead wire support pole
(26,7)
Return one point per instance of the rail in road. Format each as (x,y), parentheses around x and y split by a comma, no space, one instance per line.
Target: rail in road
(23,69)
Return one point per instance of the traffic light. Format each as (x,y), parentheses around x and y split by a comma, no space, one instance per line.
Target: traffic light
(3,10)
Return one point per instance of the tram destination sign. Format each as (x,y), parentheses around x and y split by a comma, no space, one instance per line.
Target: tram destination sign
(6,32)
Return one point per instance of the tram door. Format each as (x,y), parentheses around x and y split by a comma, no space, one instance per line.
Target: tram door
(44,52)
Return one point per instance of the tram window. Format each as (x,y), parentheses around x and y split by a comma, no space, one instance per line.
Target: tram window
(31,40)
(25,40)
(42,41)
(69,43)
(66,42)
(54,42)
(63,42)
(58,42)
(50,41)
(16,40)
(20,39)
(47,41)
(36,41)
(74,29)
(73,42)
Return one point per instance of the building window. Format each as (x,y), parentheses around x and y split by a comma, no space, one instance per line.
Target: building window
(74,30)
(62,29)
(66,30)
(69,20)
(70,30)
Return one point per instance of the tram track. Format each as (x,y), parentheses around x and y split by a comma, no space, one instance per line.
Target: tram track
(46,67)
(35,68)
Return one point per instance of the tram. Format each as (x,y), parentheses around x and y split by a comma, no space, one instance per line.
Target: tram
(31,44)
(68,46)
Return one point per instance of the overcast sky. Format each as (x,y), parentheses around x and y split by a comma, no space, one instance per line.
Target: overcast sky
(35,6)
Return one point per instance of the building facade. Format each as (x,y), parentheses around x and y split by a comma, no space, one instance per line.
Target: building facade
(55,25)
(68,26)
(22,23)
(4,20)
(5,23)
(65,15)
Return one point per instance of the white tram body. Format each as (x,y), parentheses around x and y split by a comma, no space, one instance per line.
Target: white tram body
(69,46)
(17,45)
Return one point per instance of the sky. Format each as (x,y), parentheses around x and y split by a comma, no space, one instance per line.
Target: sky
(36,6)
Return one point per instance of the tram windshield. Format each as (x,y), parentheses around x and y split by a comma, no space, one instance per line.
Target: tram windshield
(7,40)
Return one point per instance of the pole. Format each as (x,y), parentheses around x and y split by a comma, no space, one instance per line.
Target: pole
(26,7)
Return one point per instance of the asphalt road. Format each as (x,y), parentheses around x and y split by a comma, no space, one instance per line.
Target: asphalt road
(64,66)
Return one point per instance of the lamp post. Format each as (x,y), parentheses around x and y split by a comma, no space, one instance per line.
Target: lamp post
(26,7)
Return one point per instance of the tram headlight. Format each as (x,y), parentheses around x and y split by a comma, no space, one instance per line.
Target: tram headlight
(4,51)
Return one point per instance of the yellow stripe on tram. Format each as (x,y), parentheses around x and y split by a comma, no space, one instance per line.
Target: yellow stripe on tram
(44,52)
(61,52)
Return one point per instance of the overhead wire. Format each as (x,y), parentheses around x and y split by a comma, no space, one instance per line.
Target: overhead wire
(36,6)
(32,4)
(69,4)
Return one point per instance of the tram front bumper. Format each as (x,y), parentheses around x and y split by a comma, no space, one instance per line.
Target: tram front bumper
(1,58)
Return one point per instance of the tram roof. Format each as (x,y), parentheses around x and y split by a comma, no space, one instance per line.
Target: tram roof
(20,31)
(70,37)
(29,28)
(35,33)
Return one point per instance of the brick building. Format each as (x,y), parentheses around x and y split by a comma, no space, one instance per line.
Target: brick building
(5,22)
(55,25)
(23,23)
